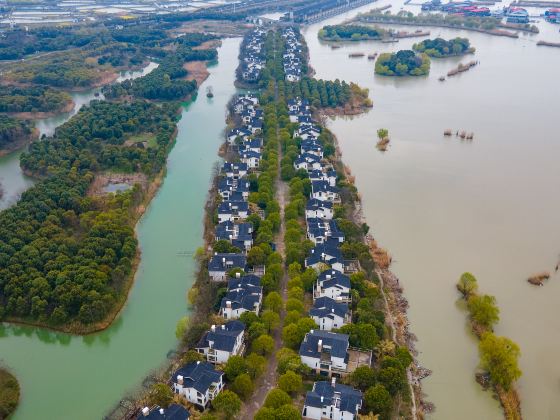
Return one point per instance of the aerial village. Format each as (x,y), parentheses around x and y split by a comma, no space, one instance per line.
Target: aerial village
(239,225)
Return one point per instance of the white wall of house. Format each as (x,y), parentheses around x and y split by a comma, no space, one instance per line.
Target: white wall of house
(327,324)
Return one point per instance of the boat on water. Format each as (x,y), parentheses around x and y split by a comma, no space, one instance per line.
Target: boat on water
(372,56)
(335,47)
(356,54)
(209,93)
(442,79)
(389,40)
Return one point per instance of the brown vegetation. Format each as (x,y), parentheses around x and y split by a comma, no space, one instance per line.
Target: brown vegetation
(539,278)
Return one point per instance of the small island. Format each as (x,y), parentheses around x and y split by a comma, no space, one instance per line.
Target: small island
(402,63)
(14,134)
(9,393)
(440,48)
(349,33)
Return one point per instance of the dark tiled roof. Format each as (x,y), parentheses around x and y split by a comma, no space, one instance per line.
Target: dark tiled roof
(173,412)
(226,262)
(325,306)
(223,336)
(198,375)
(350,398)
(315,203)
(335,343)
(329,278)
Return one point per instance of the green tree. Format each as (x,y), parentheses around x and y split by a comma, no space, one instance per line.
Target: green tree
(277,398)
(161,395)
(264,345)
(191,356)
(287,412)
(393,379)
(363,377)
(270,319)
(273,301)
(181,327)
(467,285)
(483,310)
(290,382)
(265,413)
(234,367)
(378,400)
(499,357)
(227,403)
(382,133)
(256,365)
(243,386)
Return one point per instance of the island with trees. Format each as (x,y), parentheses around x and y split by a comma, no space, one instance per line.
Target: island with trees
(14,133)
(402,63)
(488,25)
(68,253)
(9,393)
(498,355)
(440,48)
(349,33)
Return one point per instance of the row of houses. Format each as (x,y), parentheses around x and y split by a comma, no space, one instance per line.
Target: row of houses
(326,352)
(252,55)
(233,187)
(200,382)
(292,58)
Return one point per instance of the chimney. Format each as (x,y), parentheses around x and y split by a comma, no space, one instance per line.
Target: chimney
(237,275)
(213,328)
(328,276)
(145,411)
(321,398)
(223,327)
(320,346)
(161,411)
(180,379)
(228,303)
(224,260)
(333,381)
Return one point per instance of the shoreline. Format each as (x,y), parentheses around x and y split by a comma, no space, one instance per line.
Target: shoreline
(393,295)
(28,115)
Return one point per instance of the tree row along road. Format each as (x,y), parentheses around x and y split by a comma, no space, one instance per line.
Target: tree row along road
(269,380)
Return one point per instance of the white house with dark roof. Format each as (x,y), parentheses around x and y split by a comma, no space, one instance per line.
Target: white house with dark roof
(250,158)
(220,264)
(173,412)
(198,382)
(238,234)
(325,351)
(331,400)
(329,313)
(308,162)
(332,284)
(320,209)
(222,342)
(322,190)
(244,295)
(235,170)
(326,253)
(233,211)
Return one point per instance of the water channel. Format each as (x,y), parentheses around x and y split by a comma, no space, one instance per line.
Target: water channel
(444,206)
(69,377)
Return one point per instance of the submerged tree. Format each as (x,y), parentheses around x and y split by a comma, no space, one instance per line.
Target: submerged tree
(499,357)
